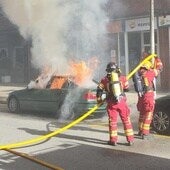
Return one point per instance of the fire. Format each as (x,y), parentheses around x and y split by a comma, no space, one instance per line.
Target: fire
(79,72)
(58,82)
(83,71)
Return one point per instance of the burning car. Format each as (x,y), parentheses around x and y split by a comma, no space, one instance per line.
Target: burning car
(61,97)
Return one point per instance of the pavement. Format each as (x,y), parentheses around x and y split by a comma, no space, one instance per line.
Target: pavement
(5,90)
(77,143)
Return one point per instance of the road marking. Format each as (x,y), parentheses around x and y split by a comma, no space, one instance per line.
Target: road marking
(38,161)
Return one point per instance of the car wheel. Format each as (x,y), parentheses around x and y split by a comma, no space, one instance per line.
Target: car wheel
(161,122)
(13,105)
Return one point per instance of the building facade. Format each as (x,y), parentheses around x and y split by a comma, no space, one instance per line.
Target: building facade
(128,37)
(14,54)
(132,39)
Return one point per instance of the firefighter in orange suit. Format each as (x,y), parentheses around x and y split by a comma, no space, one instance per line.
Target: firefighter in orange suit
(158,64)
(144,85)
(113,85)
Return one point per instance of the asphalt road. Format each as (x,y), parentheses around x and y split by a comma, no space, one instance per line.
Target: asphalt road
(81,147)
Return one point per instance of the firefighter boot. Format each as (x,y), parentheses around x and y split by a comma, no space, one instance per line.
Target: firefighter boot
(112,143)
(130,143)
(147,137)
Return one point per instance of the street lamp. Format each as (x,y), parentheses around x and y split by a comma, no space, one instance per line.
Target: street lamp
(152,33)
(152,38)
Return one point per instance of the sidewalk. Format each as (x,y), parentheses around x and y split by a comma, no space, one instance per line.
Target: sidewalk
(5,90)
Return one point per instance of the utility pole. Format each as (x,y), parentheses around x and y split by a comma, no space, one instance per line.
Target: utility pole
(152,32)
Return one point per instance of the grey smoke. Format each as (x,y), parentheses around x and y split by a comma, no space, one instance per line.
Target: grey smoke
(59,29)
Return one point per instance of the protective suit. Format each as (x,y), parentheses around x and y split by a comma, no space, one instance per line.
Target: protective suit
(114,84)
(146,97)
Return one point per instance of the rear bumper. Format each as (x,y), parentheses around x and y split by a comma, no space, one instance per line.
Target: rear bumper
(84,108)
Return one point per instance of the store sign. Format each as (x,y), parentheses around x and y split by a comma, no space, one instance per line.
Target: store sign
(139,24)
(164,20)
(114,27)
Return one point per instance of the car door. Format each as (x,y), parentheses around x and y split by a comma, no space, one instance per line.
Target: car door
(41,99)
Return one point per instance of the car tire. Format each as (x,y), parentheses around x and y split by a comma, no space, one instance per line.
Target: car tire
(161,122)
(13,105)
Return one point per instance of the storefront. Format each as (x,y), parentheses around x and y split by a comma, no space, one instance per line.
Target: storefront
(164,50)
(131,38)
(138,39)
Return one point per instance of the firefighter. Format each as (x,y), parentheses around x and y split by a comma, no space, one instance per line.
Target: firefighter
(114,84)
(144,86)
(158,64)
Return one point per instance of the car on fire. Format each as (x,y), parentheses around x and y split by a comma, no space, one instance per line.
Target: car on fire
(161,116)
(69,99)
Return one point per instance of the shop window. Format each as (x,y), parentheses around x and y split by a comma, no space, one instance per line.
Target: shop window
(4,59)
(19,57)
(147,42)
(19,65)
(134,44)
(147,38)
(3,53)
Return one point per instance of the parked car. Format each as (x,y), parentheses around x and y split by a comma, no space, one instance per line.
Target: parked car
(161,117)
(70,99)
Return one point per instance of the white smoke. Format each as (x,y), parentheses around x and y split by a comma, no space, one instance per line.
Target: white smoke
(52,25)
(43,21)
(59,30)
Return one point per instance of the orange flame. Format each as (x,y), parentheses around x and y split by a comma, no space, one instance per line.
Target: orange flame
(58,82)
(78,72)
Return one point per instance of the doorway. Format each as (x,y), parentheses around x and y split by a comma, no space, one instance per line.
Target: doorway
(134,52)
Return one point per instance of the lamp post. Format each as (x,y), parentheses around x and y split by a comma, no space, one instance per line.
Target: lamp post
(152,38)
(152,33)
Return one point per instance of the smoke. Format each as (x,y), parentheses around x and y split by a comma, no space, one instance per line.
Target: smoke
(59,29)
(68,108)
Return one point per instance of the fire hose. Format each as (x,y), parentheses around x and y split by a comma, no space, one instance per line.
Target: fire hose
(78,120)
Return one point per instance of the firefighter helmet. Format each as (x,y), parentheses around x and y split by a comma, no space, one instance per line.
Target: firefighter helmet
(111,67)
(147,65)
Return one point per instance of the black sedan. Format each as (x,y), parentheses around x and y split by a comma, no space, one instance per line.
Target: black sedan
(161,117)
(68,102)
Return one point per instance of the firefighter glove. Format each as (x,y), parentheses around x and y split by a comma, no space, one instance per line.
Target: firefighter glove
(99,100)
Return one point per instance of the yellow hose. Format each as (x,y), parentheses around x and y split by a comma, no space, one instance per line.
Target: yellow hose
(140,64)
(40,138)
(35,140)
